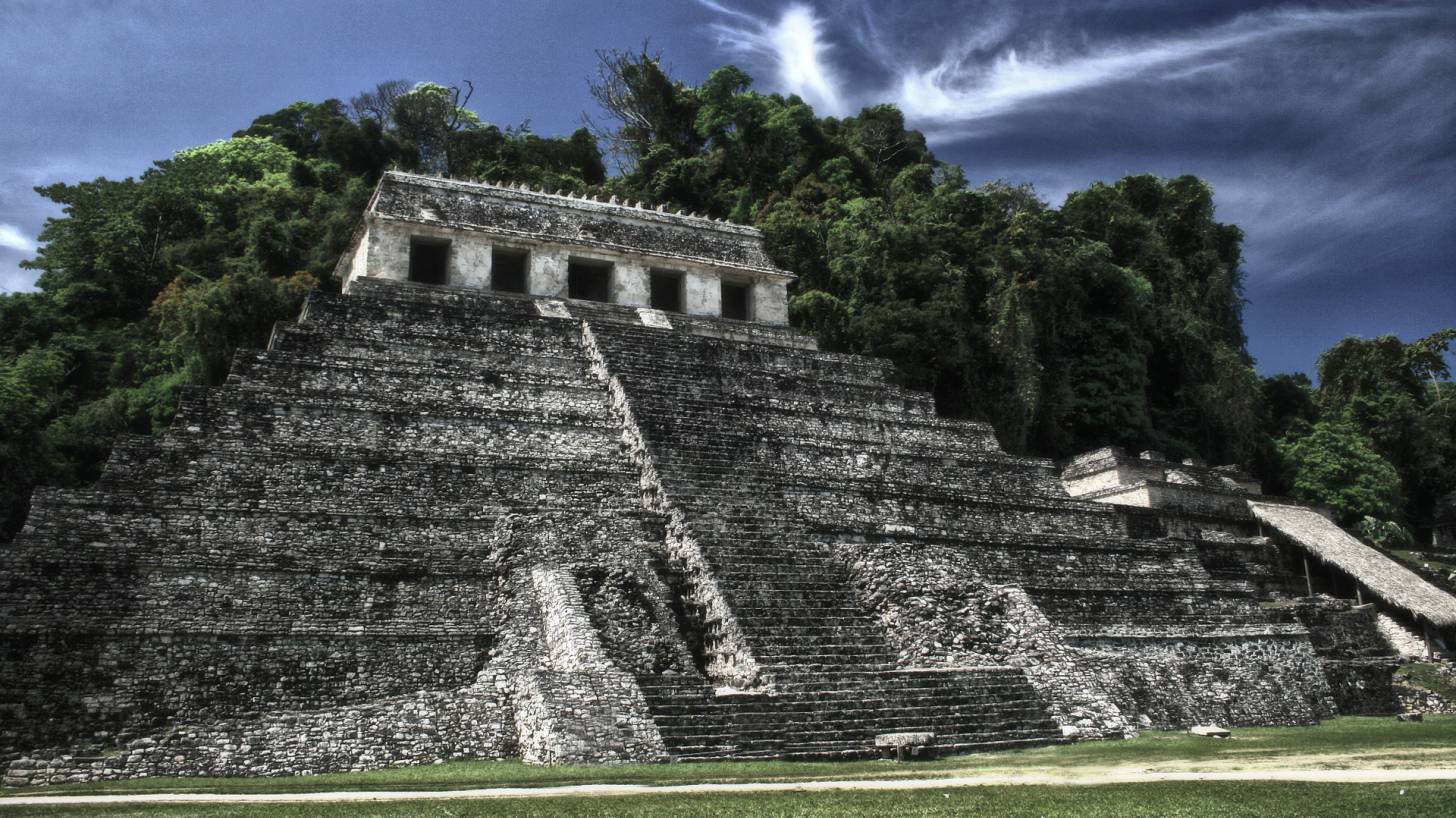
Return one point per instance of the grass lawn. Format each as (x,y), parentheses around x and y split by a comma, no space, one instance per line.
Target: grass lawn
(1184,800)
(1346,743)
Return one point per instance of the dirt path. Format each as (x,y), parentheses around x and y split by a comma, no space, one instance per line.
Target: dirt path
(1132,777)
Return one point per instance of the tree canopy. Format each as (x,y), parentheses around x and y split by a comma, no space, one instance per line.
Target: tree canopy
(1392,402)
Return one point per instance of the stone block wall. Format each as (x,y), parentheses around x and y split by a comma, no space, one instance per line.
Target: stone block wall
(1232,678)
(422,728)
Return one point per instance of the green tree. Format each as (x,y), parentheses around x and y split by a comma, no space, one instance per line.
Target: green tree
(1203,395)
(1392,393)
(1116,319)
(326,131)
(647,109)
(1289,399)
(1384,533)
(517,155)
(200,324)
(1333,464)
(30,388)
(429,121)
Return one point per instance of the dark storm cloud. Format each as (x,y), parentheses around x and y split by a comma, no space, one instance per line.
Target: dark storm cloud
(1324,128)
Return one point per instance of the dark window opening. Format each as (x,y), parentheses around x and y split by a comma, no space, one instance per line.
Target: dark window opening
(508,269)
(588,280)
(667,291)
(736,301)
(429,260)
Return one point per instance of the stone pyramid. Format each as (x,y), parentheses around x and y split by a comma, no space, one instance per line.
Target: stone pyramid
(436,522)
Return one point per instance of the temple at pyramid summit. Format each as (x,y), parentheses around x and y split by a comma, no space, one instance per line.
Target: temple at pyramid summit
(552,478)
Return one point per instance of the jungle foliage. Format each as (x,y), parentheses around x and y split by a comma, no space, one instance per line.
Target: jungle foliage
(1377,438)
(1114,319)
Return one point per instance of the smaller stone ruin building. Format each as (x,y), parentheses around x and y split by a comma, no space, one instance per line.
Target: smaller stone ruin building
(553,479)
(1365,611)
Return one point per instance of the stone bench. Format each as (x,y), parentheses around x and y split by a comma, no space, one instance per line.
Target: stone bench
(906,745)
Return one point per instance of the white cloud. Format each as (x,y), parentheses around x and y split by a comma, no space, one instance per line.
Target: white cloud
(794,43)
(13,238)
(962,88)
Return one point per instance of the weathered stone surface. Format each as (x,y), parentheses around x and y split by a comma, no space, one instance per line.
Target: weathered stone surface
(904,746)
(1210,731)
(904,739)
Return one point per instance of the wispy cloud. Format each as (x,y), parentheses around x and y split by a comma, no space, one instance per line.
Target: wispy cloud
(963,86)
(12,238)
(793,42)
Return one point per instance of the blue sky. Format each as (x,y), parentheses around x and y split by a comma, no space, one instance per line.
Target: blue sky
(1326,128)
